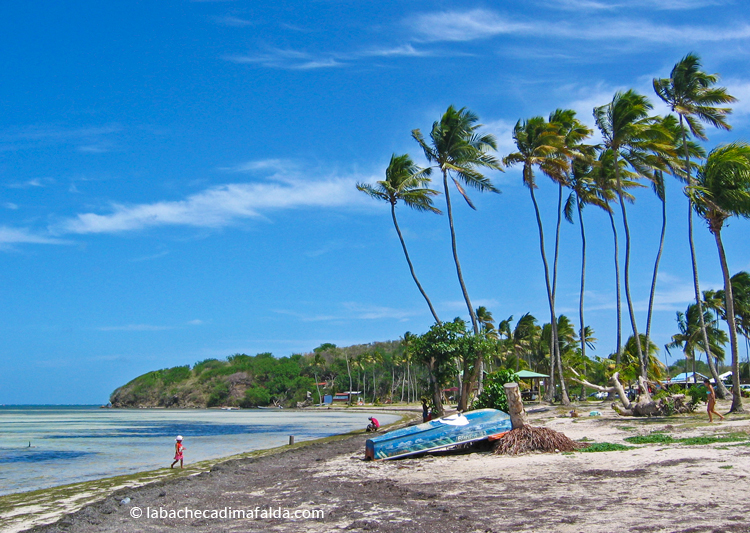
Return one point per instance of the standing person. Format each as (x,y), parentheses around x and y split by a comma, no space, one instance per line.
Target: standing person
(711,401)
(425,411)
(178,449)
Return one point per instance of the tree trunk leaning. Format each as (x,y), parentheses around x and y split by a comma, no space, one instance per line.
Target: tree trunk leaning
(518,418)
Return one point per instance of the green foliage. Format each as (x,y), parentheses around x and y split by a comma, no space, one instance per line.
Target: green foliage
(653,438)
(605,447)
(697,393)
(256,396)
(493,395)
(218,395)
(176,374)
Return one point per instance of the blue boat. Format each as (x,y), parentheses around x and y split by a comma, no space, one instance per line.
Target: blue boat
(440,433)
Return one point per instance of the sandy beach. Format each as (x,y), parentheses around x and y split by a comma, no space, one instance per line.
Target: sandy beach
(674,487)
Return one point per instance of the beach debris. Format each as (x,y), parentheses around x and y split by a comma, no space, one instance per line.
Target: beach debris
(574,414)
(595,413)
(527,439)
(125,501)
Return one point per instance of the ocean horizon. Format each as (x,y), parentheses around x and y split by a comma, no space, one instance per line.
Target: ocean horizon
(43,446)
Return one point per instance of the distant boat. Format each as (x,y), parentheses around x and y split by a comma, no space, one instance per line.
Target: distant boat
(436,434)
(230,408)
(270,407)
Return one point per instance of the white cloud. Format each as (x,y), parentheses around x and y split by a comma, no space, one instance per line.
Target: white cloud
(135,327)
(740,89)
(592,5)
(232,21)
(355,311)
(466,26)
(218,206)
(406,50)
(10,205)
(10,236)
(481,24)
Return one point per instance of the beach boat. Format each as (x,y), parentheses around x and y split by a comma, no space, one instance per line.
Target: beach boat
(439,433)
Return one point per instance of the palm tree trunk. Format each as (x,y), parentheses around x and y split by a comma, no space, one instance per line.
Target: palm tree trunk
(472,314)
(411,267)
(721,390)
(554,348)
(618,359)
(729,304)
(656,270)
(583,279)
(628,298)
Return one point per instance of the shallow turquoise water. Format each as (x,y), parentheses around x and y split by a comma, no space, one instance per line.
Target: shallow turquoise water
(72,444)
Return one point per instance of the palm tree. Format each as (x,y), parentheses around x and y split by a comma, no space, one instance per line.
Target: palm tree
(541,145)
(583,192)
(523,336)
(691,94)
(606,189)
(722,190)
(406,182)
(690,336)
(634,136)
(458,150)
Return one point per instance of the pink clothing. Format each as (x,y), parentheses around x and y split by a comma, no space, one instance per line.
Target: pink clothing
(178,451)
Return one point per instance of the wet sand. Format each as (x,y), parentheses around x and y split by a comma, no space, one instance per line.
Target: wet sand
(650,488)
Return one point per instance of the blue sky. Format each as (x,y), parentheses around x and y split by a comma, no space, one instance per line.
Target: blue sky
(177,178)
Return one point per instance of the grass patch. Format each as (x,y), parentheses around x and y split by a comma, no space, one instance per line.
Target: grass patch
(654,438)
(726,467)
(712,439)
(605,447)
(662,438)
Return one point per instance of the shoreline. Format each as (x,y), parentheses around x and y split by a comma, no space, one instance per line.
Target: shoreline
(22,511)
(685,478)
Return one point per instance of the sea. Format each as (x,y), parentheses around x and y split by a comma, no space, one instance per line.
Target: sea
(43,446)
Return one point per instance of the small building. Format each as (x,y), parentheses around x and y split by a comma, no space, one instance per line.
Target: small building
(346,397)
(687,378)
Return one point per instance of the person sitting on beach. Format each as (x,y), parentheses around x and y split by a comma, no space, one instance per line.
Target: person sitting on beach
(374,425)
(711,401)
(178,449)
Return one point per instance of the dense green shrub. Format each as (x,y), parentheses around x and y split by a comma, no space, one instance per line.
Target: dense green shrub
(697,393)
(219,393)
(493,395)
(175,375)
(255,396)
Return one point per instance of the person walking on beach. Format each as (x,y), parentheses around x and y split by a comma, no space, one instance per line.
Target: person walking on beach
(178,449)
(711,401)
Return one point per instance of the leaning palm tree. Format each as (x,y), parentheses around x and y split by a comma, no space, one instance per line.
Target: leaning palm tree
(722,190)
(634,136)
(406,182)
(583,192)
(607,191)
(459,150)
(691,94)
(541,145)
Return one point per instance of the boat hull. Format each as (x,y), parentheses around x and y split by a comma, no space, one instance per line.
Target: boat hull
(436,434)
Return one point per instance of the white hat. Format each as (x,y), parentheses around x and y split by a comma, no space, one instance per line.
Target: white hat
(179,437)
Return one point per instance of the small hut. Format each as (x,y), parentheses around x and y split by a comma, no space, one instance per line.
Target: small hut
(534,393)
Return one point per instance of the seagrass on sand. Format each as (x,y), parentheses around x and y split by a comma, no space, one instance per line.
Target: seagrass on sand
(535,439)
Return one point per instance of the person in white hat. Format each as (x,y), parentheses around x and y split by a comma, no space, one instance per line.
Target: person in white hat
(178,449)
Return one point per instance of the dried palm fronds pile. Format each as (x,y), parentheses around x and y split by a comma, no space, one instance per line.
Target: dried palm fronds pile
(535,439)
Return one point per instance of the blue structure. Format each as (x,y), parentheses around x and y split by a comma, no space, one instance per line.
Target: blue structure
(440,433)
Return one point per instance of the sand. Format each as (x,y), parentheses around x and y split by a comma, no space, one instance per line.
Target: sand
(650,488)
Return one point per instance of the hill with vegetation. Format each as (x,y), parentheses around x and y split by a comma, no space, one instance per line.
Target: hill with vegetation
(247,381)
